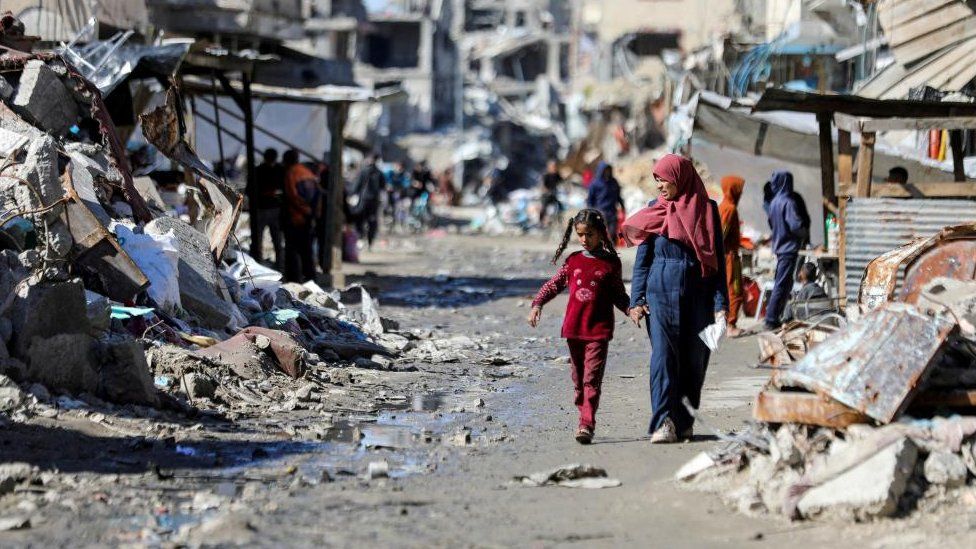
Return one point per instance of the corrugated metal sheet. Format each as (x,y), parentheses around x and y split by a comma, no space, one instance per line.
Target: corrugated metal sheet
(878,225)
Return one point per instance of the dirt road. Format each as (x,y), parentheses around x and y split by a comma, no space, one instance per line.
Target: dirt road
(454,434)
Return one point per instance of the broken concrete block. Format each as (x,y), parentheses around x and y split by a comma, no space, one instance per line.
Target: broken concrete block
(11,397)
(698,464)
(99,311)
(199,386)
(945,468)
(64,361)
(47,309)
(868,490)
(378,469)
(784,449)
(40,170)
(297,291)
(12,474)
(6,90)
(13,368)
(198,277)
(124,373)
(42,96)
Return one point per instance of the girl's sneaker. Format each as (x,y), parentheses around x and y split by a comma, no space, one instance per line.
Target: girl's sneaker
(665,434)
(584,435)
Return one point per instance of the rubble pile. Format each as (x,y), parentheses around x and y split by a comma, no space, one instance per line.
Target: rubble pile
(866,416)
(104,296)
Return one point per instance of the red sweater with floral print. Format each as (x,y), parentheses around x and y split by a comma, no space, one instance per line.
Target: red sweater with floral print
(595,288)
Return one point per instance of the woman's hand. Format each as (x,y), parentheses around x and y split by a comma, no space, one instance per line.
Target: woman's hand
(720,316)
(637,313)
(534,316)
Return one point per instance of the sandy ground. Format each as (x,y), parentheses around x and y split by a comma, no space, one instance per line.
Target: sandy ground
(463,495)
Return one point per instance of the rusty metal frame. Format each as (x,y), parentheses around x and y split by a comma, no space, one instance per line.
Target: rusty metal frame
(881,275)
(876,365)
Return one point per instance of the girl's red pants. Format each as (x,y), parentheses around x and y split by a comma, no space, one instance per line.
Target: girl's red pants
(589,359)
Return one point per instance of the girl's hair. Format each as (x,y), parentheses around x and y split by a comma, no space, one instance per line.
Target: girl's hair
(592,218)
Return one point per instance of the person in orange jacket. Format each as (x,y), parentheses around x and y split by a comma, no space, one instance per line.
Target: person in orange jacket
(728,209)
(301,193)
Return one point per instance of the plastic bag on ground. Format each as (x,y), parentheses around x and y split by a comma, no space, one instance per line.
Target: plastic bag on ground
(252,274)
(158,258)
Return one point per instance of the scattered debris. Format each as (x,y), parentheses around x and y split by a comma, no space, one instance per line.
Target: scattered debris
(571,476)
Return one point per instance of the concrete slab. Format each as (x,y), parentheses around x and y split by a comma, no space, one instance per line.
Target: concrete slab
(41,95)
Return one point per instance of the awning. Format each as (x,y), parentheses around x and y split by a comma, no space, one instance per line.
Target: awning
(793,136)
(321,95)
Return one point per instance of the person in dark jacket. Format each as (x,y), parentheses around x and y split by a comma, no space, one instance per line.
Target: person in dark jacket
(789,223)
(604,195)
(679,284)
(365,199)
(551,181)
(269,179)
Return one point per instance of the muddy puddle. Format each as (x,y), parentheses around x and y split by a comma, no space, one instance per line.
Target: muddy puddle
(450,292)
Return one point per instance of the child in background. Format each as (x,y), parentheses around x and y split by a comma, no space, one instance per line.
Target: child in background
(809,291)
(596,286)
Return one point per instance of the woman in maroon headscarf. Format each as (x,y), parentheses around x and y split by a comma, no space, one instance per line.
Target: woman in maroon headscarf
(679,284)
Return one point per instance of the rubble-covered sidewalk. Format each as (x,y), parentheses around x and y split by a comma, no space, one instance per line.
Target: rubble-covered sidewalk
(870,414)
(139,348)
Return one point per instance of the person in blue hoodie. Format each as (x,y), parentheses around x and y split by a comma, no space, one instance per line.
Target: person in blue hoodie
(604,195)
(790,224)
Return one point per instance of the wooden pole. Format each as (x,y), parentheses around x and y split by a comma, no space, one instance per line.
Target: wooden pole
(955,141)
(865,164)
(246,107)
(826,168)
(333,212)
(845,158)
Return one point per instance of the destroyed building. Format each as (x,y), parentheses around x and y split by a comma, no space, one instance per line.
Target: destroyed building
(409,45)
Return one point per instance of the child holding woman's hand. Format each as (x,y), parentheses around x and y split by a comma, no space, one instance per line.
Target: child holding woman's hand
(596,286)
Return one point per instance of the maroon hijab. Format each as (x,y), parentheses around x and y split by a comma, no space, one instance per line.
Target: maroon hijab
(688,218)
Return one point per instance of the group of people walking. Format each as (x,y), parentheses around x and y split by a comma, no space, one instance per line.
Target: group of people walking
(687,276)
(289,201)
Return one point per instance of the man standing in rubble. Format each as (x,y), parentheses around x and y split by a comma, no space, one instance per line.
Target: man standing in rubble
(790,224)
(301,194)
(269,178)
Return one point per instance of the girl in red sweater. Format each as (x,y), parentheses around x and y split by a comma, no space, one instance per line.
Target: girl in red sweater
(595,288)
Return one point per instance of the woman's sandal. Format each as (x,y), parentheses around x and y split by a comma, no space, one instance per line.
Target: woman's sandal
(584,435)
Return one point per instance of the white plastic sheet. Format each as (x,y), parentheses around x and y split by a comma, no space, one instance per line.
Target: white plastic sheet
(158,258)
(251,274)
(713,334)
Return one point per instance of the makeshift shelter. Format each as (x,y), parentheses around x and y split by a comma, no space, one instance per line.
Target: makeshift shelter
(855,115)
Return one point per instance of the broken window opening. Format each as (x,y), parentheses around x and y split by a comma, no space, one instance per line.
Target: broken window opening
(526,64)
(392,45)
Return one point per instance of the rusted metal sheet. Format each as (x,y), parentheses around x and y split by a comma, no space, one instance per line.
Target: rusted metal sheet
(106,267)
(772,406)
(954,259)
(876,365)
(875,226)
(289,354)
(884,274)
(164,128)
